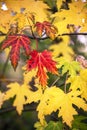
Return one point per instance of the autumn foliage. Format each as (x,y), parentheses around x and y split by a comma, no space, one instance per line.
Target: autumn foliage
(54,76)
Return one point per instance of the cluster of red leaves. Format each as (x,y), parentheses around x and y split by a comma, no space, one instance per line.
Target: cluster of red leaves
(16,42)
(43,62)
(47,28)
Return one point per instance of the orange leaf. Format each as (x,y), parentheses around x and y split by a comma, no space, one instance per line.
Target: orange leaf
(16,41)
(43,62)
(46,27)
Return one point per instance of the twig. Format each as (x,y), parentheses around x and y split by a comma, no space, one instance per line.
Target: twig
(11,108)
(55,81)
(65,89)
(43,38)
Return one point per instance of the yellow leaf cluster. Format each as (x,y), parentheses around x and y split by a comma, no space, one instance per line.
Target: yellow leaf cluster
(76,15)
(55,99)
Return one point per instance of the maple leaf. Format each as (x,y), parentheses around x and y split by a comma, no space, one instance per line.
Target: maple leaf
(72,67)
(46,27)
(29,6)
(23,95)
(76,15)
(16,42)
(20,92)
(43,62)
(55,99)
(62,48)
(79,82)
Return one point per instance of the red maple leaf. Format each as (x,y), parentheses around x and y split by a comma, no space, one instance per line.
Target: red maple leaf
(43,62)
(46,27)
(16,41)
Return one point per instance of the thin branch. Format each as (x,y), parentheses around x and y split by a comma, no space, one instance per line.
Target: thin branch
(65,86)
(9,80)
(43,38)
(55,81)
(72,34)
(11,108)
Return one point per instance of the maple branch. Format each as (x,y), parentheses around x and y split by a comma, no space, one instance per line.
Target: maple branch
(55,81)
(43,38)
(10,80)
(11,108)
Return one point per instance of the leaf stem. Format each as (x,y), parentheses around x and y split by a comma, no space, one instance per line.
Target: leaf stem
(65,87)
(55,81)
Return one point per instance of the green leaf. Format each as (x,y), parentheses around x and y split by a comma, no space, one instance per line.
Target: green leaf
(54,126)
(39,126)
(79,123)
(72,67)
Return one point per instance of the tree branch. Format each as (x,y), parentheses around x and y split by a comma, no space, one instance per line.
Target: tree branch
(43,38)
(31,107)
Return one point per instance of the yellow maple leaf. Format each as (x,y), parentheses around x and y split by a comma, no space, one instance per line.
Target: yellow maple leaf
(20,92)
(1,98)
(79,82)
(55,99)
(62,48)
(75,15)
(23,93)
(31,6)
